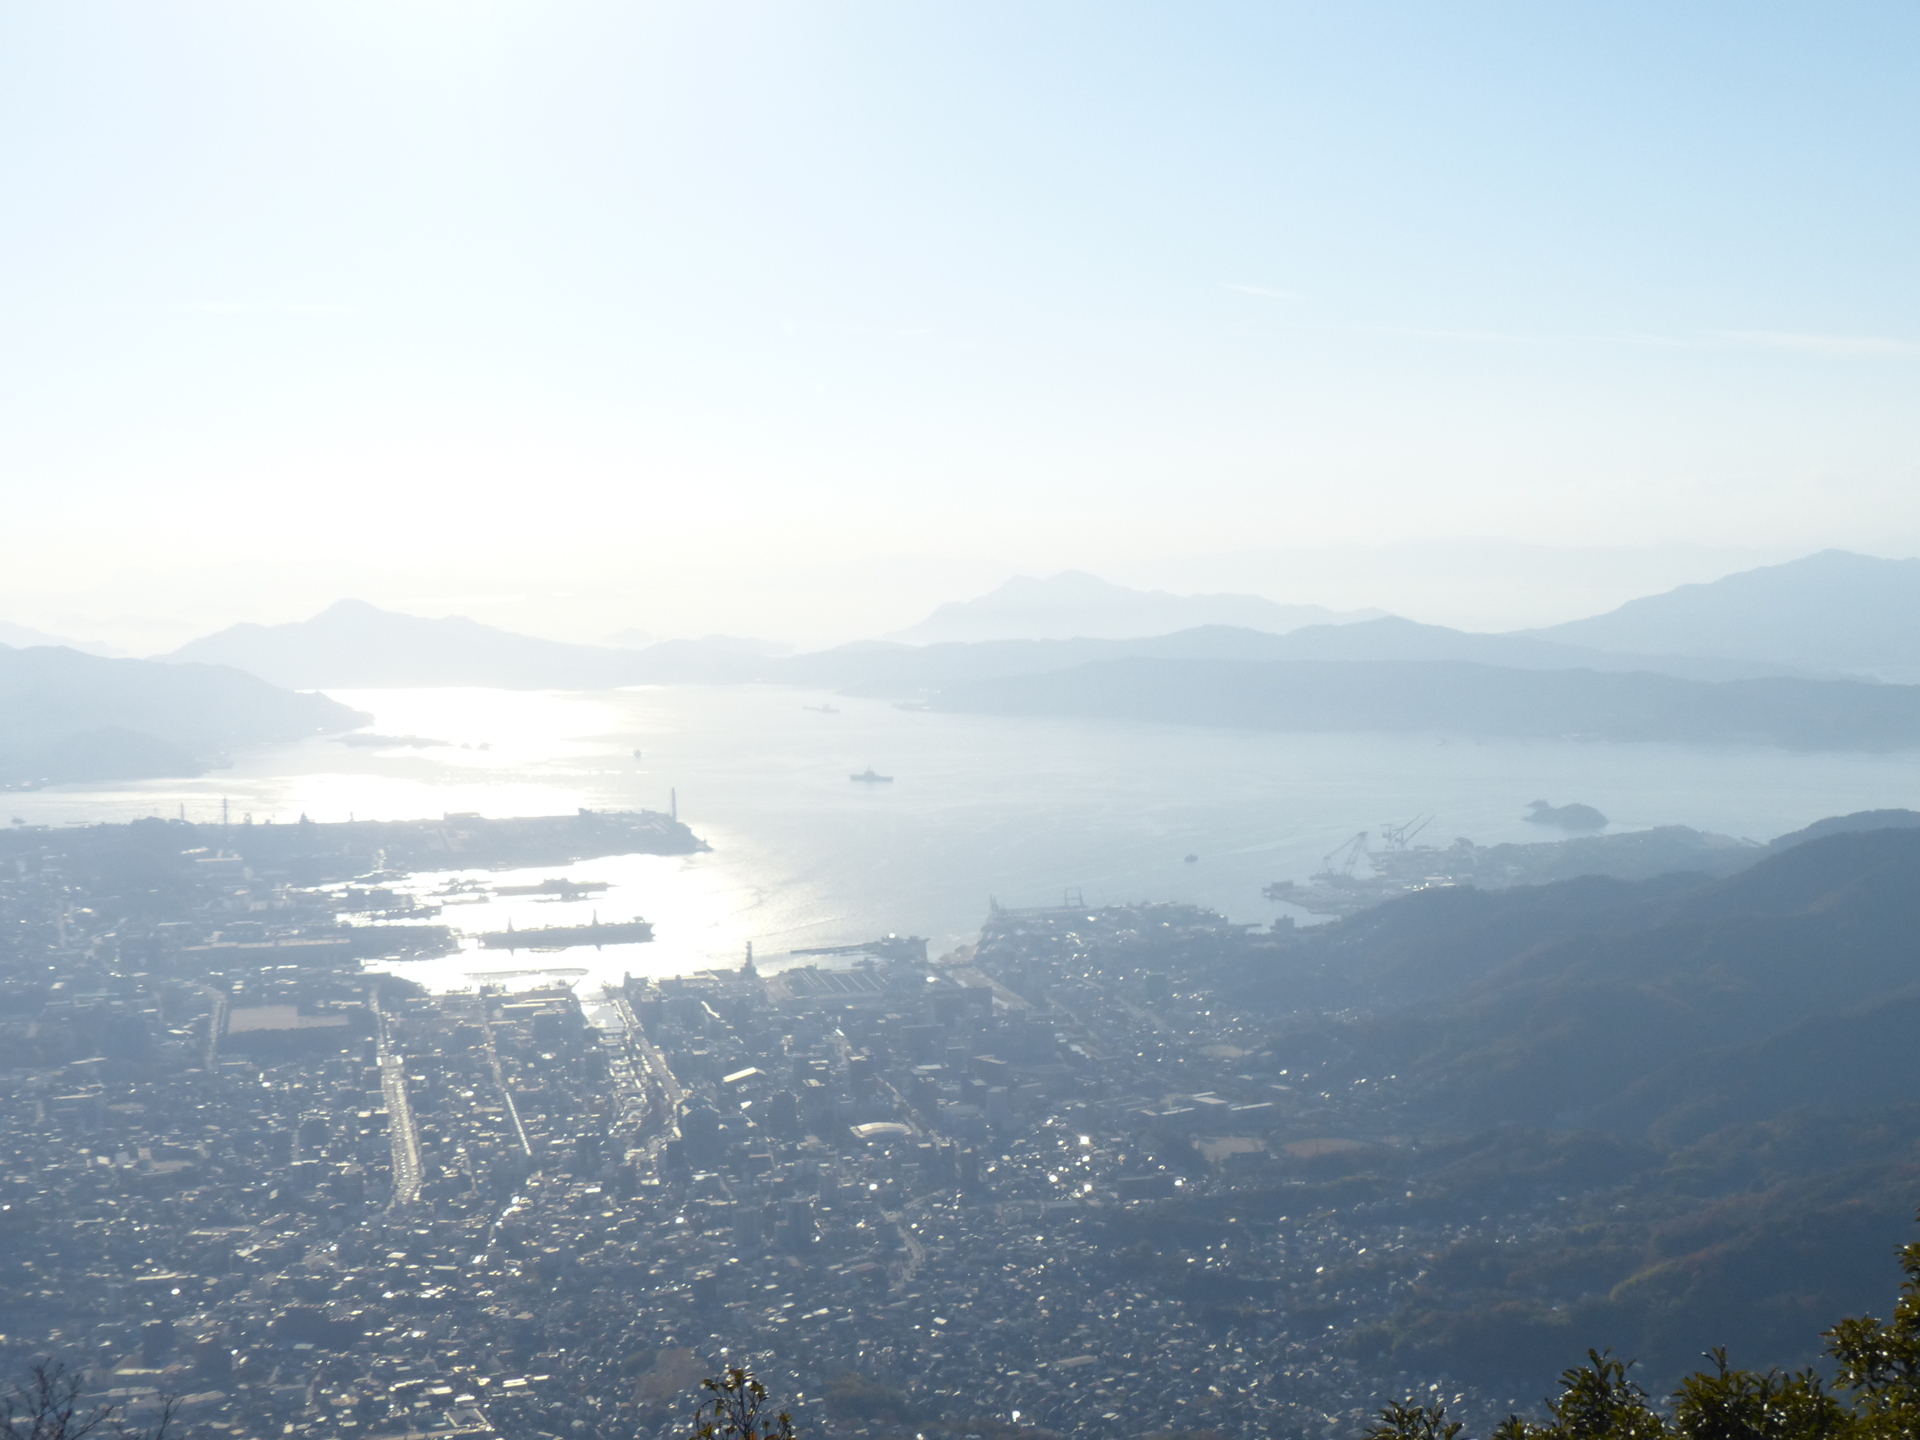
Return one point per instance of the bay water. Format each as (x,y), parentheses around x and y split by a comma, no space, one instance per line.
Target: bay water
(1020,810)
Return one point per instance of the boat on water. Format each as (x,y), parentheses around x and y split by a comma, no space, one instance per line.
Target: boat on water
(561,937)
(822,709)
(870,777)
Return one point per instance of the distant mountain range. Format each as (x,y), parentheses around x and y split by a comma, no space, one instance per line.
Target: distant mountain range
(69,717)
(353,645)
(1834,611)
(1754,657)
(356,645)
(900,671)
(22,636)
(1072,605)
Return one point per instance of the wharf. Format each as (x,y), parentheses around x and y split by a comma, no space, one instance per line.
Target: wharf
(311,852)
(560,937)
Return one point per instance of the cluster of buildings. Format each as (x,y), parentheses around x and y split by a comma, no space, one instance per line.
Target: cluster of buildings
(1037,1185)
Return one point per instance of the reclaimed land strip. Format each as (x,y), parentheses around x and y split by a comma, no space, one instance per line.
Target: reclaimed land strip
(320,852)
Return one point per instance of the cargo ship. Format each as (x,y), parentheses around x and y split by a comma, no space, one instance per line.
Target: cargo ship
(561,937)
(869,777)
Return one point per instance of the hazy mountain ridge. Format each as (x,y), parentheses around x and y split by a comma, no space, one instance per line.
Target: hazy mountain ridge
(1462,698)
(895,671)
(354,645)
(900,671)
(1831,611)
(1394,638)
(66,716)
(1074,605)
(1846,824)
(1384,673)
(22,636)
(1624,855)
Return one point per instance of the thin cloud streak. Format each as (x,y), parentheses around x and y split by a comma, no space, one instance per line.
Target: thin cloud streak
(1263,292)
(1863,346)
(257,307)
(1811,344)
(1483,337)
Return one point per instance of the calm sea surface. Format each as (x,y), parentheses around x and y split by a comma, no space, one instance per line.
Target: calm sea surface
(1016,809)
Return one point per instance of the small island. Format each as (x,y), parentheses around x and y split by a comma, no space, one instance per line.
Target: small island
(1565,817)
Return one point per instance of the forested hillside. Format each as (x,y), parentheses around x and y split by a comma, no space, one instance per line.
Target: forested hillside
(1703,1095)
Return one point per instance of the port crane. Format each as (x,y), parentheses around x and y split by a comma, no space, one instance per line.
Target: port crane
(1345,857)
(1399,837)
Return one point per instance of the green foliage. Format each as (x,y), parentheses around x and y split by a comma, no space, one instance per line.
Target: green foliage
(1879,1373)
(1600,1401)
(1731,1404)
(732,1411)
(1880,1364)
(1414,1422)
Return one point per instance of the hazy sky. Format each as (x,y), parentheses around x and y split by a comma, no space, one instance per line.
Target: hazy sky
(777,316)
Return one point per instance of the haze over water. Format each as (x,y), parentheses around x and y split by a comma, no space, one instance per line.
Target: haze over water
(1016,809)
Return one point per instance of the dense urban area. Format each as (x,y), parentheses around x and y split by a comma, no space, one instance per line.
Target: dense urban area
(1035,1185)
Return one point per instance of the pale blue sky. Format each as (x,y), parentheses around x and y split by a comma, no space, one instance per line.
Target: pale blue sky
(652,301)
